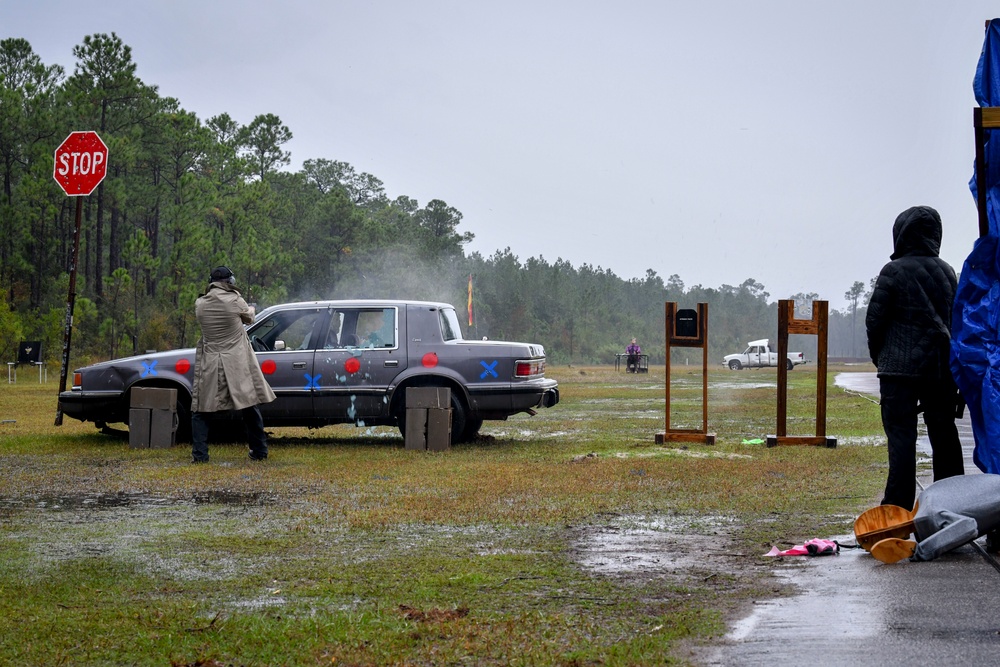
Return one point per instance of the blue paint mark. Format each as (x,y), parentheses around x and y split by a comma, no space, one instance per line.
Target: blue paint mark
(149,368)
(490,370)
(312,382)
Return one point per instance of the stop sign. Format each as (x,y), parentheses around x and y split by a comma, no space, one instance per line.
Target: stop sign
(81,162)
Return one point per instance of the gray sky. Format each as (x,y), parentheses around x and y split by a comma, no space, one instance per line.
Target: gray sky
(716,140)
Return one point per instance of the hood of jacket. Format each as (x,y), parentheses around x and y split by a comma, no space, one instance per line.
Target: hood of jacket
(917,232)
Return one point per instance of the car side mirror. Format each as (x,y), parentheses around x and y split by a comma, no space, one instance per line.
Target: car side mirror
(279,345)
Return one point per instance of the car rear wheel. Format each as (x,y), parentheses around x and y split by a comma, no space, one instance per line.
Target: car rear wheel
(472,426)
(788,364)
(735,365)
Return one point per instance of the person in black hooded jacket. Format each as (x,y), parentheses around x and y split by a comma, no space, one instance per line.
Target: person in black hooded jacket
(909,337)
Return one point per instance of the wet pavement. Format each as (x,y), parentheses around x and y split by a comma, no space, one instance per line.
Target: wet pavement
(852,609)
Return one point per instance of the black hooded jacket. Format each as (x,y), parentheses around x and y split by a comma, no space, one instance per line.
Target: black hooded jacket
(909,315)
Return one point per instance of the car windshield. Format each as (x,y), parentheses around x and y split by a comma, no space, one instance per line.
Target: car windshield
(450,328)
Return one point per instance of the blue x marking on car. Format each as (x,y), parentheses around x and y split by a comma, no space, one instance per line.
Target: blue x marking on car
(490,369)
(312,382)
(148,368)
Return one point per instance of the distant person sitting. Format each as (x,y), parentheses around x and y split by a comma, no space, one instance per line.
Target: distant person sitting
(633,351)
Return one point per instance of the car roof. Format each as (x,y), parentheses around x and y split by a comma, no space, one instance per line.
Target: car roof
(355,303)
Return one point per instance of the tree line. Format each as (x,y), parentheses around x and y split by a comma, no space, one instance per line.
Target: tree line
(183,195)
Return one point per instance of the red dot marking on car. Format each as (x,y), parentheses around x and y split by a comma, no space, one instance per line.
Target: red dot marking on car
(182,366)
(352,365)
(268,367)
(430,360)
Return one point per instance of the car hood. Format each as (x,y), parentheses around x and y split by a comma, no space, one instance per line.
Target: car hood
(152,356)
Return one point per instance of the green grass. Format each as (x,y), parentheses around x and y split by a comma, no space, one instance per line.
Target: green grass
(344,548)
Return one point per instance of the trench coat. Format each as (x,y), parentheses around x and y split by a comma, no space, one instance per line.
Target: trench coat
(226,373)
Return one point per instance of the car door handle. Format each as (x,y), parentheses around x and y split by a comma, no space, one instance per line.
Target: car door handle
(391,363)
(298,364)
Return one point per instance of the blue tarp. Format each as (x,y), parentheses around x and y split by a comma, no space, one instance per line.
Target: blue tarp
(975,343)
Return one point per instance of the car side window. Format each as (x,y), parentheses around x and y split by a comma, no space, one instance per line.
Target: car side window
(377,327)
(362,327)
(335,331)
(293,327)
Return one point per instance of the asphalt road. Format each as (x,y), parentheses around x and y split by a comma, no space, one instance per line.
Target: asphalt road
(854,610)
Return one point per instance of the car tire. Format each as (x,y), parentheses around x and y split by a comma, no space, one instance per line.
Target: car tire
(459,420)
(471,430)
(735,365)
(183,420)
(788,364)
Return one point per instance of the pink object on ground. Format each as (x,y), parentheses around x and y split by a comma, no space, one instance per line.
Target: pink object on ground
(814,547)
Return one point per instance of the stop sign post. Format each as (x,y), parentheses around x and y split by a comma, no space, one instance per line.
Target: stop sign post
(81,163)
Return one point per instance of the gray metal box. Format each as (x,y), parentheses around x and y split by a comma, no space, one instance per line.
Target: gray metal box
(156,398)
(416,428)
(428,397)
(138,427)
(152,428)
(162,429)
(438,429)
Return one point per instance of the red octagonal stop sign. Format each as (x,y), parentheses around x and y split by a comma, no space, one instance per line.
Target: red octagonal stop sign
(81,162)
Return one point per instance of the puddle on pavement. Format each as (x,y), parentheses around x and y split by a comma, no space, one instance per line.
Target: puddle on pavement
(817,582)
(102,501)
(865,383)
(655,546)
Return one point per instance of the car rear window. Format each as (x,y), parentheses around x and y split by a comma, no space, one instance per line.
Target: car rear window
(450,328)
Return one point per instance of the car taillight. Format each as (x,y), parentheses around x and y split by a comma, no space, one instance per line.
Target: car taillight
(77,379)
(528,368)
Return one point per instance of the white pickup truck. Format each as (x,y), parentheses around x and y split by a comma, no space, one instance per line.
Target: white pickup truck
(758,355)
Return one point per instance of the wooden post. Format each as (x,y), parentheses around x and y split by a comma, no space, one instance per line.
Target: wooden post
(788,324)
(983,118)
(687,338)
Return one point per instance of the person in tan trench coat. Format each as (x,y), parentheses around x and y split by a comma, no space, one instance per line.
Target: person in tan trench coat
(226,373)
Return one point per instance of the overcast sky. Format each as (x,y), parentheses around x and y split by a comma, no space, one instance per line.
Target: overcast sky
(718,141)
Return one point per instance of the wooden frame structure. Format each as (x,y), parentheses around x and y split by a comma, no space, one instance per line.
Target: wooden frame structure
(692,333)
(788,324)
(983,118)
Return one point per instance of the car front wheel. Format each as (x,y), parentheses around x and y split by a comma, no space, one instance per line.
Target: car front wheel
(735,365)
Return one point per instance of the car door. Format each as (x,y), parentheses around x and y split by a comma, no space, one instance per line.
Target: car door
(285,344)
(364,351)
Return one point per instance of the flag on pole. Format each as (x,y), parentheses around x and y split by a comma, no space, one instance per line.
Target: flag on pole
(470,299)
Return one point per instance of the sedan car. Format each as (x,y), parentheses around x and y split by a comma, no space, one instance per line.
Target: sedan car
(336,362)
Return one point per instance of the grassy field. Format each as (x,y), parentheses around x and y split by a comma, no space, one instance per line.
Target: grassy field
(567,538)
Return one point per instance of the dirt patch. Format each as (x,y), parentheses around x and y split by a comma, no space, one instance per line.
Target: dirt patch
(693,555)
(99,501)
(432,615)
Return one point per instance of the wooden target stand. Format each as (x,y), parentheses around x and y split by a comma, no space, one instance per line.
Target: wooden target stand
(788,324)
(983,118)
(687,328)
